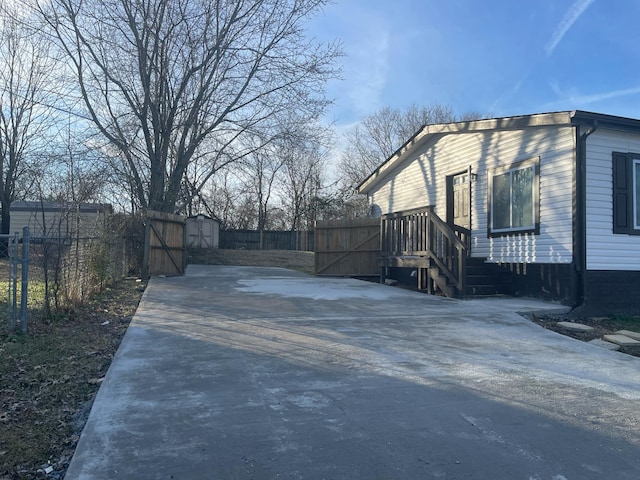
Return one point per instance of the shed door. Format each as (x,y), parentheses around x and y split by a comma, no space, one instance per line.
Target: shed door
(206,234)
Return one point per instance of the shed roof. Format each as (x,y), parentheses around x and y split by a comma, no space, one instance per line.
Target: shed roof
(34,205)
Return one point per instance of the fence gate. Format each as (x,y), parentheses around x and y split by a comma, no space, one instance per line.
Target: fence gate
(164,245)
(349,248)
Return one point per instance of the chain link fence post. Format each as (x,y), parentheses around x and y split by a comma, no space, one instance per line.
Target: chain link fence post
(11,320)
(26,242)
(13,283)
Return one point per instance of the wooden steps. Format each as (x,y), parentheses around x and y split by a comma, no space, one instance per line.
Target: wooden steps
(485,279)
(481,279)
(441,282)
(438,254)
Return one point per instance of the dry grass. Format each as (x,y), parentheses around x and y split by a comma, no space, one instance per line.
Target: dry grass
(295,260)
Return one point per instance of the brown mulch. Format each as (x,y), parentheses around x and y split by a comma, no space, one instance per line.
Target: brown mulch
(601,326)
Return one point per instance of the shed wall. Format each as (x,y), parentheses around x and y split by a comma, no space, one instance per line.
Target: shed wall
(56,223)
(421,181)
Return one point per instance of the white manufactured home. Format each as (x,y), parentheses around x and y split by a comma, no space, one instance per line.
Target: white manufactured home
(549,203)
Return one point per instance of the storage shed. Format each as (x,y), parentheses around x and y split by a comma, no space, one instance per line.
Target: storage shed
(58,219)
(203,232)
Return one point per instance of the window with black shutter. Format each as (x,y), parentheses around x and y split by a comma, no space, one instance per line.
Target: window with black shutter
(626,193)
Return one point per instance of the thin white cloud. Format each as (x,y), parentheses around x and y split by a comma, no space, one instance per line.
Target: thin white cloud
(581,100)
(576,9)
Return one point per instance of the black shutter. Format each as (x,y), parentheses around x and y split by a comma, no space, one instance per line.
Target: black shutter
(621,193)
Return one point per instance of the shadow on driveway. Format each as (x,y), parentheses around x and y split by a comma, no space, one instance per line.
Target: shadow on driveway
(265,373)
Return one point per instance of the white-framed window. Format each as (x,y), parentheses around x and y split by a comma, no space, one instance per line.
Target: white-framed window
(513,199)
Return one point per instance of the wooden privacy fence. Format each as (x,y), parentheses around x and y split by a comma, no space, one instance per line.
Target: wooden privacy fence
(347,247)
(164,245)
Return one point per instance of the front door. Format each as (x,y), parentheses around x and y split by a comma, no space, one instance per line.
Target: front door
(459,200)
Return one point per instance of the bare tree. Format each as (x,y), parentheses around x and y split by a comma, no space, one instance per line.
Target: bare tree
(219,199)
(473,115)
(26,91)
(303,188)
(380,134)
(304,165)
(376,138)
(168,82)
(263,172)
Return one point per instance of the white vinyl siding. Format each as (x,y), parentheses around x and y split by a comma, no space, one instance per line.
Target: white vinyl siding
(606,250)
(421,181)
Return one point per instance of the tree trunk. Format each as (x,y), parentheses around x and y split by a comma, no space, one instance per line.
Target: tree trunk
(4,229)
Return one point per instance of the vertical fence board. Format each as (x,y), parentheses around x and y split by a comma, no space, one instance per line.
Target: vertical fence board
(347,247)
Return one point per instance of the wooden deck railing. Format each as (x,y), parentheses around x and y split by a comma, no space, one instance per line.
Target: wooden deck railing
(421,233)
(405,233)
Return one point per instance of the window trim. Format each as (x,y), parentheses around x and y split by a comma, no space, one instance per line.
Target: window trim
(624,193)
(533,163)
(634,199)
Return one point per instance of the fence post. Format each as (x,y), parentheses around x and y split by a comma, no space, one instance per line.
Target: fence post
(145,257)
(11,319)
(13,255)
(26,242)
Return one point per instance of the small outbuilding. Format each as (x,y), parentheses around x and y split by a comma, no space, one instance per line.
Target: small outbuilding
(58,219)
(203,232)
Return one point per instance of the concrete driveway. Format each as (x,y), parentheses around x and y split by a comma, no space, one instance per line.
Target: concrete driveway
(266,373)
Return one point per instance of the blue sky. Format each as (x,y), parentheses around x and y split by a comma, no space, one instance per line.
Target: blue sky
(497,57)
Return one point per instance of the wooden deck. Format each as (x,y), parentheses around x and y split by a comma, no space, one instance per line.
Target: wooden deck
(418,240)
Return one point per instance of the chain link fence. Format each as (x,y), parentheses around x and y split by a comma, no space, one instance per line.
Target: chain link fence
(58,274)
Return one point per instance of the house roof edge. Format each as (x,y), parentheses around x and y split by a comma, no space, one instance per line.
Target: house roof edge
(430,131)
(581,117)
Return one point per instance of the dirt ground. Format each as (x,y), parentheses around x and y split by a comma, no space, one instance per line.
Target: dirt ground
(49,377)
